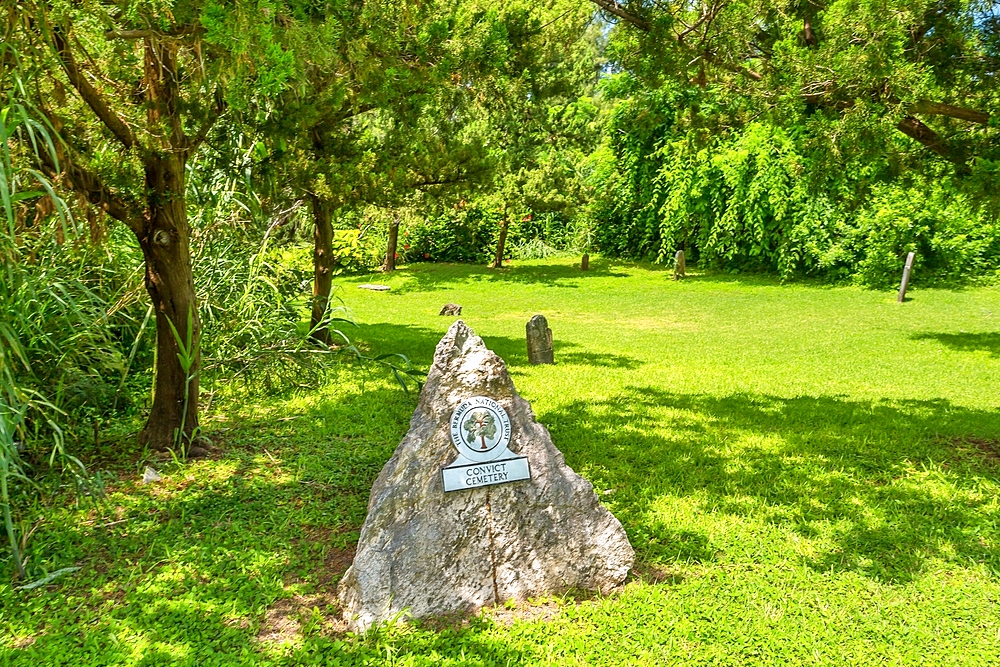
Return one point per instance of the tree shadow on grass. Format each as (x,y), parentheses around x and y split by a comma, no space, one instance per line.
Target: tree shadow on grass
(855,475)
(850,474)
(595,359)
(418,344)
(965,342)
(433,277)
(204,558)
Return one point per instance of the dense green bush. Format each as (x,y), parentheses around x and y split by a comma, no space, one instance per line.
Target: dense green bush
(761,197)
(471,234)
(467,235)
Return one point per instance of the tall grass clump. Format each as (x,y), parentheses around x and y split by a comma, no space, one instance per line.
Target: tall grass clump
(254,287)
(52,342)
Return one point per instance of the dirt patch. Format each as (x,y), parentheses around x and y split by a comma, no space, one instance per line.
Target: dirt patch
(281,623)
(319,612)
(23,642)
(987,451)
(536,610)
(290,619)
(656,574)
(335,564)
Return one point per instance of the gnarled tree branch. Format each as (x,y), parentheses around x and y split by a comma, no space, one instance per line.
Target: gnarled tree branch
(91,95)
(180,31)
(915,129)
(961,113)
(612,7)
(90,186)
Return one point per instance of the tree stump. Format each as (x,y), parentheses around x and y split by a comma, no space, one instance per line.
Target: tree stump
(679,265)
(585,262)
(539,341)
(906,278)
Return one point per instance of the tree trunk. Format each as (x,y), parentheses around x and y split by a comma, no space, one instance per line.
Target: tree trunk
(164,240)
(159,224)
(323,264)
(390,248)
(501,242)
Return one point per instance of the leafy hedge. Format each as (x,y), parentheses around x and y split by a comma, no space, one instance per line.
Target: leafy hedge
(765,198)
(471,235)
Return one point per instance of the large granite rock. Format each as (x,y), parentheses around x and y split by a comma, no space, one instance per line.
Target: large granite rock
(431,553)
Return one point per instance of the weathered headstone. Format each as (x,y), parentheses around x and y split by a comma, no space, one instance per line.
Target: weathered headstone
(679,265)
(374,287)
(539,337)
(429,551)
(585,262)
(906,278)
(451,309)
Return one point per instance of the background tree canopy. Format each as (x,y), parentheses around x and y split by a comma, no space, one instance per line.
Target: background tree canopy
(820,138)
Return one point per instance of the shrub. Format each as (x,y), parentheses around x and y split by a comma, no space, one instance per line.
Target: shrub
(759,198)
(471,235)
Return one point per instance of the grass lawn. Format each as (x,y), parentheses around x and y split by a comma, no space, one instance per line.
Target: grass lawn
(809,475)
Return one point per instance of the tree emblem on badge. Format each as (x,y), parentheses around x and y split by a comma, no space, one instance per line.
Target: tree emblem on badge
(480,424)
(480,430)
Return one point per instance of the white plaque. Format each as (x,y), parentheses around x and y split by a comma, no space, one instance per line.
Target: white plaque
(480,431)
(485,474)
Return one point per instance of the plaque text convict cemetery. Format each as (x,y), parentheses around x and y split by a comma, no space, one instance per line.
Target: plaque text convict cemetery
(480,431)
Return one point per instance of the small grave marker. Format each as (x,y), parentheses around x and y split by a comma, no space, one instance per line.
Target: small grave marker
(585,262)
(374,288)
(679,265)
(539,341)
(451,309)
(906,278)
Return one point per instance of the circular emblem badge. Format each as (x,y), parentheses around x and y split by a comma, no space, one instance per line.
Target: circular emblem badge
(480,429)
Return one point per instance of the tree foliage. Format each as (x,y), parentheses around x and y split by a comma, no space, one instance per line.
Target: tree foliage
(865,68)
(779,137)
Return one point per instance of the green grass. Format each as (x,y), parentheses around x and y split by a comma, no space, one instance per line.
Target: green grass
(809,475)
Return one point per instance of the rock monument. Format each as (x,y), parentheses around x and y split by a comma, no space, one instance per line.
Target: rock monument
(477,506)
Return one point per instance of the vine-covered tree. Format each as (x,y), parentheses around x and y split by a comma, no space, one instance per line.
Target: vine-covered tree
(826,138)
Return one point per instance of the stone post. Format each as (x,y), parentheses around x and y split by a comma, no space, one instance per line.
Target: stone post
(585,262)
(906,278)
(679,265)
